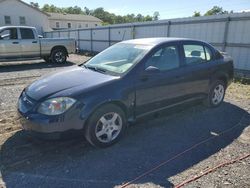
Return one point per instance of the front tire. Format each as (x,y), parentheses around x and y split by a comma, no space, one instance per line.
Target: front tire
(216,94)
(59,56)
(105,126)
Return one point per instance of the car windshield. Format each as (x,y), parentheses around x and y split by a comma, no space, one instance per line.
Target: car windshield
(118,59)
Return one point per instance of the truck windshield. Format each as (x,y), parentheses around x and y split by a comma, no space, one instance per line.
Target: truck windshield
(118,58)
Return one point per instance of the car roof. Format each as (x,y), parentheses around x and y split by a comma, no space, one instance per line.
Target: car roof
(157,41)
(7,27)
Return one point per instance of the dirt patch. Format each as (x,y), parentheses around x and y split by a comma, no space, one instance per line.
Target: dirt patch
(238,92)
(9,121)
(245,136)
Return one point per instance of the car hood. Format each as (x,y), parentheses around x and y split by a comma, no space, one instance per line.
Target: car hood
(66,79)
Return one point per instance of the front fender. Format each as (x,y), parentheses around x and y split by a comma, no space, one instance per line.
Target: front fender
(119,94)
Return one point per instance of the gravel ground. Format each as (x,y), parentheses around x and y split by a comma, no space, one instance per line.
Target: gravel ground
(28,162)
(15,76)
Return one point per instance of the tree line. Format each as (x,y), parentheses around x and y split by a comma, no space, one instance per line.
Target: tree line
(216,10)
(111,18)
(105,16)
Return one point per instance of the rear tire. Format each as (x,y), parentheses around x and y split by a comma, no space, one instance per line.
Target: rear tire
(59,56)
(216,94)
(106,126)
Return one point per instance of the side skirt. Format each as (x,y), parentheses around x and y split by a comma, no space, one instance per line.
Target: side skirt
(167,107)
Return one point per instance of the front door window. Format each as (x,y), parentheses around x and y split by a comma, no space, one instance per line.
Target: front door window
(164,59)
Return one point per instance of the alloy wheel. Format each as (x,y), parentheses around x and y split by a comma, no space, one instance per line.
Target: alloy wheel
(108,127)
(59,57)
(218,94)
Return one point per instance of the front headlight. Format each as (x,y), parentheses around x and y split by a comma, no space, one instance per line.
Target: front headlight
(56,106)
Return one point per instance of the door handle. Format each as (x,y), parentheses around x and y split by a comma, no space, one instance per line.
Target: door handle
(180,77)
(144,77)
(15,42)
(34,41)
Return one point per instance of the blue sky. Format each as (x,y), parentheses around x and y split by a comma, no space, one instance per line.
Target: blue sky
(166,8)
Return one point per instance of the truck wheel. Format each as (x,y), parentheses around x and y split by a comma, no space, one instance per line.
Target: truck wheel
(216,94)
(58,56)
(105,126)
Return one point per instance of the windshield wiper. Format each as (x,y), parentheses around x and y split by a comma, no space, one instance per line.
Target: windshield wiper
(85,66)
(97,69)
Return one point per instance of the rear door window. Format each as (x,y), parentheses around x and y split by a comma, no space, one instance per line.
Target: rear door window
(208,53)
(27,33)
(196,54)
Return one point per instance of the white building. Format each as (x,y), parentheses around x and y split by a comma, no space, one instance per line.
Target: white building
(17,12)
(59,21)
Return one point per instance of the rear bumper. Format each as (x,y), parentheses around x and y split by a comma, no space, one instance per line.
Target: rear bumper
(231,77)
(229,82)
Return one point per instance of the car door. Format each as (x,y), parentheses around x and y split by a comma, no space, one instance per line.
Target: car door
(199,66)
(9,44)
(160,82)
(29,44)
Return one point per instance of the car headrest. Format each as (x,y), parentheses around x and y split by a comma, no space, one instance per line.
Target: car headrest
(169,52)
(196,53)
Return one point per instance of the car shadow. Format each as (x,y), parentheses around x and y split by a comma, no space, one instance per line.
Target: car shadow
(24,66)
(27,162)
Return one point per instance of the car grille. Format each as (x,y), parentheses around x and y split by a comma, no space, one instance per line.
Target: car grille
(25,103)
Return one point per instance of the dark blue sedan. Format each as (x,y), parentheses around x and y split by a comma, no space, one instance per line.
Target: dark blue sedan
(127,81)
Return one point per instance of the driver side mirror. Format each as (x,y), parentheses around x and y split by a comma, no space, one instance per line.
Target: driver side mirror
(152,70)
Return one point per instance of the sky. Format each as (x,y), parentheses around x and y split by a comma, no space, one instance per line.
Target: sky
(166,8)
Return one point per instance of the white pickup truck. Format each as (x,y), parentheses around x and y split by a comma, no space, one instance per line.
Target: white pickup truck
(23,43)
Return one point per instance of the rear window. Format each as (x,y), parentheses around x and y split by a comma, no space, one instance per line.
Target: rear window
(27,33)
